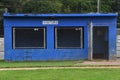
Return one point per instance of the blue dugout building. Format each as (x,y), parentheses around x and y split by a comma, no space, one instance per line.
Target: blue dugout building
(34,37)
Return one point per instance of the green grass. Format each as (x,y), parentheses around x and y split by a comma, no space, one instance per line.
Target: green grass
(62,74)
(37,64)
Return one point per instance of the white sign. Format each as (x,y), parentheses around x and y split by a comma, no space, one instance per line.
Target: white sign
(51,22)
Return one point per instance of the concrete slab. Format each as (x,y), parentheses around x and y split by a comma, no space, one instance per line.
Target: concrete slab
(101,62)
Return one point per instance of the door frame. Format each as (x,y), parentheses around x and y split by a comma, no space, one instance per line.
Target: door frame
(90,41)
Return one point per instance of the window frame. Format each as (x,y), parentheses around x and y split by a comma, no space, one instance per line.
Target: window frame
(13,38)
(68,27)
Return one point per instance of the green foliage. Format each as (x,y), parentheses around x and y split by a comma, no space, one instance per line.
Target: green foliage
(88,6)
(40,6)
(58,6)
(106,6)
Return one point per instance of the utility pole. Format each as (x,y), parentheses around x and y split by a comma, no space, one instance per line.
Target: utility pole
(98,6)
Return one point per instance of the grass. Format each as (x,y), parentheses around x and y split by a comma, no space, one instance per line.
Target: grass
(37,64)
(62,74)
(29,64)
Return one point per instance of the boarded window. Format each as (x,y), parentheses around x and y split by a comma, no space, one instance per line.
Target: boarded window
(68,37)
(28,38)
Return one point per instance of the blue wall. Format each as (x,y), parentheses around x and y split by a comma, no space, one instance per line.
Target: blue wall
(50,53)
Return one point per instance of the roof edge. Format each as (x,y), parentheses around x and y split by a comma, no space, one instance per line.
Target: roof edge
(60,15)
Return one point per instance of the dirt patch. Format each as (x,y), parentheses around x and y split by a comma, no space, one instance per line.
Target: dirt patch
(37,68)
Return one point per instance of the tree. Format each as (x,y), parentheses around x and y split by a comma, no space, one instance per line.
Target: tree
(40,6)
(10,4)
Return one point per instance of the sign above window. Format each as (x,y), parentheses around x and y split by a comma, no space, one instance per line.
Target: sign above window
(50,22)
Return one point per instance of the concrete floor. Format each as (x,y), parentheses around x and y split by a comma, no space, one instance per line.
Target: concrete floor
(101,62)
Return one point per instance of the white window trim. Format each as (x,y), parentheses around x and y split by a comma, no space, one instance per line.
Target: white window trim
(81,38)
(14,47)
